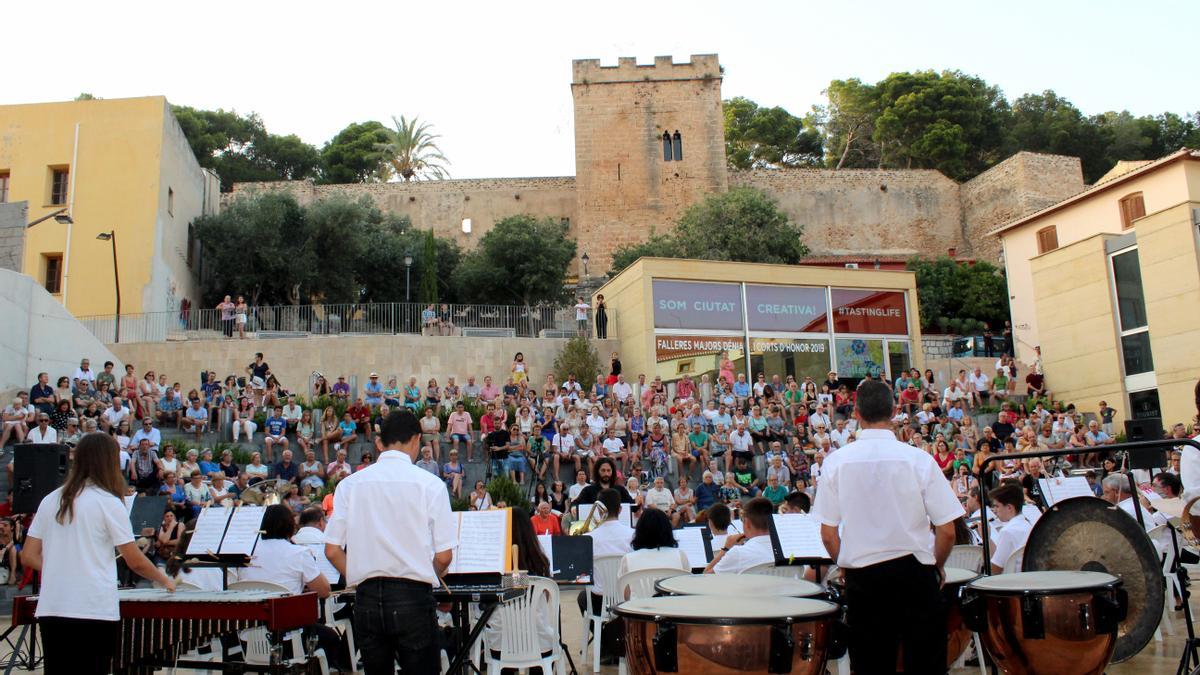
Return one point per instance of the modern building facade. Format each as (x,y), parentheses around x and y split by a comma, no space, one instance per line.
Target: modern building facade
(678,316)
(119,166)
(1108,284)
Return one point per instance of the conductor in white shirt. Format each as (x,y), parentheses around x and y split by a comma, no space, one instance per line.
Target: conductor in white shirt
(877,502)
(395,521)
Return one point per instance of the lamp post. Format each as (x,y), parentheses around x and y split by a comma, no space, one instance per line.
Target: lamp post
(111,236)
(408,259)
(584,259)
(60,216)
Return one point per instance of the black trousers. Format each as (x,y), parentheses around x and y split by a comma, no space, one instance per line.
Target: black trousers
(78,646)
(892,604)
(395,622)
(601,324)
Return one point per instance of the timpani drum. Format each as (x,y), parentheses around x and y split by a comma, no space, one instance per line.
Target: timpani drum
(1046,622)
(739,585)
(958,636)
(719,635)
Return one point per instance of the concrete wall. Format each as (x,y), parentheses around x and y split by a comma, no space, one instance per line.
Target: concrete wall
(1080,353)
(37,335)
(857,211)
(12,234)
(294,359)
(1019,185)
(442,205)
(1169,255)
(1098,212)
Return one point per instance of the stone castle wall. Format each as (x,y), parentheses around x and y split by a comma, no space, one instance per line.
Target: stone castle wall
(1020,185)
(852,211)
(12,234)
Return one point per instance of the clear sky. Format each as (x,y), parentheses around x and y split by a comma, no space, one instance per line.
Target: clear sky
(494,77)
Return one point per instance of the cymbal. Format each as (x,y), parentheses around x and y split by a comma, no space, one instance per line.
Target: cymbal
(1087,533)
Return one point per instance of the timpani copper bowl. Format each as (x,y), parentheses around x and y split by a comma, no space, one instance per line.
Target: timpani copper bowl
(739,586)
(958,636)
(718,635)
(1060,622)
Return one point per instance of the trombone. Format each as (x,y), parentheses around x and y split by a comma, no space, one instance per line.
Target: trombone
(597,515)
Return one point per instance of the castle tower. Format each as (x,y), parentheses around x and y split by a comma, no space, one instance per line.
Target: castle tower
(628,120)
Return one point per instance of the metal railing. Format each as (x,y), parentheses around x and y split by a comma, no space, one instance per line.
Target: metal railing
(388,318)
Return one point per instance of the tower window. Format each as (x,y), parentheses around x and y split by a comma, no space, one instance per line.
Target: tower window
(667,152)
(678,146)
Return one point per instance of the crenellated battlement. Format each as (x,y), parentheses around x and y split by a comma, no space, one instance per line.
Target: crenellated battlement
(664,68)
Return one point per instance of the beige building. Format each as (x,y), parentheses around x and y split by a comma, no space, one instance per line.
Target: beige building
(684,317)
(1108,284)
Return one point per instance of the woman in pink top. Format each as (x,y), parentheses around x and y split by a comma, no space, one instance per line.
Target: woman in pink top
(726,368)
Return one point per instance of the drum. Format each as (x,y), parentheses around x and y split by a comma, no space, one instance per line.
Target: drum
(739,585)
(1046,622)
(717,635)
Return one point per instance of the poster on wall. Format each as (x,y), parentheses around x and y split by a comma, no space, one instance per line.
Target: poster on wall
(696,355)
(696,305)
(799,358)
(857,310)
(857,358)
(790,309)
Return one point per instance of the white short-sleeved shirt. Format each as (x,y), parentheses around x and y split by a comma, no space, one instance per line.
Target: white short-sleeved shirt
(979,383)
(737,559)
(564,444)
(610,538)
(741,441)
(115,417)
(662,499)
(1189,470)
(79,565)
(884,495)
(392,517)
(279,561)
(1011,537)
(614,445)
(37,436)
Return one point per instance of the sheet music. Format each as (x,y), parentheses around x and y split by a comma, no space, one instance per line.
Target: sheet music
(545,541)
(323,564)
(691,542)
(129,504)
(209,530)
(735,526)
(799,536)
(482,541)
(242,534)
(1054,490)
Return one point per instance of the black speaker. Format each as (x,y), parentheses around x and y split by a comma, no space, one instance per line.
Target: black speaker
(38,469)
(1145,429)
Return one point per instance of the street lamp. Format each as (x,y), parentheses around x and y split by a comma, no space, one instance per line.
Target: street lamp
(111,236)
(60,216)
(408,259)
(584,259)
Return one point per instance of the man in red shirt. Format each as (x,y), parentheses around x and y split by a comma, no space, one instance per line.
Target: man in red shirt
(544,521)
(361,414)
(910,399)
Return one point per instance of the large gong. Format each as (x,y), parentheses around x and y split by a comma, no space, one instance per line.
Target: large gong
(1087,533)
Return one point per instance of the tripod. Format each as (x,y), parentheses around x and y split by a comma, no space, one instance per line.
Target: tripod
(20,656)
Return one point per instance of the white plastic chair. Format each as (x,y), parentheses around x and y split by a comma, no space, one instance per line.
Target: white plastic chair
(604,571)
(1013,564)
(640,583)
(966,557)
(522,620)
(345,626)
(256,643)
(771,569)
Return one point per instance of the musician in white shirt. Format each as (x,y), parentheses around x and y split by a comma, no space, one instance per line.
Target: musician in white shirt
(609,538)
(654,546)
(395,521)
(741,551)
(312,527)
(1115,488)
(1008,503)
(892,567)
(71,542)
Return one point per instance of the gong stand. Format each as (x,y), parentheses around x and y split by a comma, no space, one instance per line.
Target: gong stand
(1191,649)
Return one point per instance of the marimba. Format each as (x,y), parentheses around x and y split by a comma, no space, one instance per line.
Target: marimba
(157,626)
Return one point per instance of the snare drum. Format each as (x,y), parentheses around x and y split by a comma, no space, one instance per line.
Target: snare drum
(739,585)
(718,634)
(1046,622)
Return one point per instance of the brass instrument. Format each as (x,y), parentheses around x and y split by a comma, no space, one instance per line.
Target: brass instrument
(268,492)
(597,515)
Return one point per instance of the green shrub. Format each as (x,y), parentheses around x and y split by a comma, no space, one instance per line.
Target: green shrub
(577,357)
(460,504)
(503,489)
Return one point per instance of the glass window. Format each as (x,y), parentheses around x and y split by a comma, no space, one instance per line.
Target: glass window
(787,309)
(1144,405)
(59,183)
(696,305)
(858,310)
(1136,350)
(1127,275)
(899,357)
(858,358)
(799,358)
(697,356)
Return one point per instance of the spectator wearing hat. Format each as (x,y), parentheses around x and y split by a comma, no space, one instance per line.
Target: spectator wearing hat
(341,390)
(373,391)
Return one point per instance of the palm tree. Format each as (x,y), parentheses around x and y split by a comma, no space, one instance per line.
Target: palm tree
(411,151)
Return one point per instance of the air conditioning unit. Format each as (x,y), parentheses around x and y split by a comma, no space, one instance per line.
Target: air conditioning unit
(851,266)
